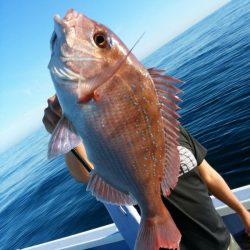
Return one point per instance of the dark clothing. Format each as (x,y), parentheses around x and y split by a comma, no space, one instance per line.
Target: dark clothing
(190,205)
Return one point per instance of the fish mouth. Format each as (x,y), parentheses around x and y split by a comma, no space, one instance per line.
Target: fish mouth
(59,20)
(59,29)
(63,28)
(60,23)
(66,26)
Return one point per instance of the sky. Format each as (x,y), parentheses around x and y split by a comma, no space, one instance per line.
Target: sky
(26,28)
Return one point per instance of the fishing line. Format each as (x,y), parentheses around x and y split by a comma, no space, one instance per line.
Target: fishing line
(82,161)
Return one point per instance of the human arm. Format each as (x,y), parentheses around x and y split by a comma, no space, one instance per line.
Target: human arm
(219,188)
(52,115)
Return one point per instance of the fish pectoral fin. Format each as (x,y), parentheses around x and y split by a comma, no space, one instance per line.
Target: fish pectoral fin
(166,91)
(106,193)
(63,139)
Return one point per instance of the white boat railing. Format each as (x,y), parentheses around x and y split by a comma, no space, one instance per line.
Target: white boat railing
(110,234)
(85,240)
(242,193)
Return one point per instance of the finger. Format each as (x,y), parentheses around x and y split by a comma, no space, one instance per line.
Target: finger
(50,119)
(48,126)
(54,105)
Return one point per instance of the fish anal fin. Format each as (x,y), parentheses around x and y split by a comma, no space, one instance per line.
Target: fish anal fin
(63,139)
(106,193)
(167,96)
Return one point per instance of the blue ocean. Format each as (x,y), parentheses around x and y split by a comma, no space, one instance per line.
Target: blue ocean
(39,199)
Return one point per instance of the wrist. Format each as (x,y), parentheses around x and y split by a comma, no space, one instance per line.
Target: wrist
(243,212)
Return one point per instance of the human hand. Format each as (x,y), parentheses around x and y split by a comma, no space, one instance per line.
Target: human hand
(52,114)
(246,221)
(245,217)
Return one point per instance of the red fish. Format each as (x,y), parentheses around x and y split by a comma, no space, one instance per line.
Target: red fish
(125,116)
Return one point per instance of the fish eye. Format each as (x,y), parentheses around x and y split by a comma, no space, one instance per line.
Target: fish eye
(101,40)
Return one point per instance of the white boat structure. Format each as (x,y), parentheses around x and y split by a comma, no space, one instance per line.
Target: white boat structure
(121,236)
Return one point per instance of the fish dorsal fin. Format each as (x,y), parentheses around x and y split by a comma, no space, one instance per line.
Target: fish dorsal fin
(63,139)
(166,91)
(106,193)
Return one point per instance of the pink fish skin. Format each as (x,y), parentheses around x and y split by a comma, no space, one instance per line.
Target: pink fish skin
(126,120)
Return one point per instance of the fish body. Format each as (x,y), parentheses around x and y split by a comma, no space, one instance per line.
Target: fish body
(111,103)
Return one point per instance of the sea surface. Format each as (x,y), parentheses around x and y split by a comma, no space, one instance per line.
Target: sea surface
(39,200)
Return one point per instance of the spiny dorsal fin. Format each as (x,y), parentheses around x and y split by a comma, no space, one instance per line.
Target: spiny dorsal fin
(166,91)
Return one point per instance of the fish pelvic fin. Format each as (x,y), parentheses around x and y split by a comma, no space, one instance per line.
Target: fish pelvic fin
(106,193)
(63,139)
(158,231)
(167,96)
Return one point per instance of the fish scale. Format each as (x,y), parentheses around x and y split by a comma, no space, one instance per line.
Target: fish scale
(113,158)
(117,116)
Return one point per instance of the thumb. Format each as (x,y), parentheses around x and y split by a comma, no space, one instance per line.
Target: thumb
(54,105)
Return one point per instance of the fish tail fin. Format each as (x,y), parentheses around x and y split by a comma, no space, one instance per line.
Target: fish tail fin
(158,231)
